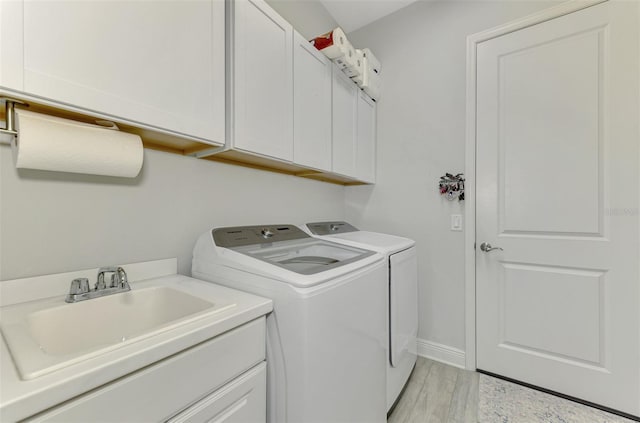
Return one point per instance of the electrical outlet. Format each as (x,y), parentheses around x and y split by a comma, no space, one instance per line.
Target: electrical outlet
(456,222)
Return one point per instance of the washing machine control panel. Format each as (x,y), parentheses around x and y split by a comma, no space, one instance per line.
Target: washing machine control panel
(254,235)
(328,228)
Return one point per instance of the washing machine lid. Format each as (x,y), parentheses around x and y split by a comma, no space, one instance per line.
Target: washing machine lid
(348,234)
(288,247)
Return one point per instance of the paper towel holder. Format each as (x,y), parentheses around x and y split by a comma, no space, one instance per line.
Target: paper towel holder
(10,118)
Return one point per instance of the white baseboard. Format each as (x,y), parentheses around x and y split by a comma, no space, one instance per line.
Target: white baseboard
(442,353)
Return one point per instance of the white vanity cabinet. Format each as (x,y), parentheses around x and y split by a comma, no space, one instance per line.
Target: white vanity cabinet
(223,378)
(155,65)
(261,72)
(312,105)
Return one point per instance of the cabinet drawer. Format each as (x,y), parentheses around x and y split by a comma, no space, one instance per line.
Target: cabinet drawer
(163,389)
(244,400)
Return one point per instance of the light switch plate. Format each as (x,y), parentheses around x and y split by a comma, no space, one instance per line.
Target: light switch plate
(456,222)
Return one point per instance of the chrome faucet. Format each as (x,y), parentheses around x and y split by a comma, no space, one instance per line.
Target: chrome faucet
(81,291)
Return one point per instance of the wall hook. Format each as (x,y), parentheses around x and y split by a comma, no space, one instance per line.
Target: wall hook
(10,119)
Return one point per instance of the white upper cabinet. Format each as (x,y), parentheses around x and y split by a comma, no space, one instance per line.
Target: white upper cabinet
(312,106)
(159,64)
(261,80)
(230,73)
(344,126)
(366,139)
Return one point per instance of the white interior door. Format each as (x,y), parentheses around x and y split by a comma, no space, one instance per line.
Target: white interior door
(557,188)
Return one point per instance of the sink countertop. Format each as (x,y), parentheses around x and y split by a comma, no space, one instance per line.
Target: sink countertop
(20,399)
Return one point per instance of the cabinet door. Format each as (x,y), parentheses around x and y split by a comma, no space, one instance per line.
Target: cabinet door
(366,139)
(262,80)
(312,105)
(243,400)
(559,100)
(157,63)
(344,102)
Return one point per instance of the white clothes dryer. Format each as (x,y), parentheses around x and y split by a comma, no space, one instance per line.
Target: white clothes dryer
(400,254)
(326,340)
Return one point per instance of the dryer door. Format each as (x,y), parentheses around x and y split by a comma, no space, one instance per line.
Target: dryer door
(403,305)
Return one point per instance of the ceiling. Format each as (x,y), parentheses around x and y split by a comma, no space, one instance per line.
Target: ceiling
(353,14)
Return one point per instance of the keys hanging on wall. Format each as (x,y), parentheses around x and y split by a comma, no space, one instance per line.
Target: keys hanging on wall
(452,186)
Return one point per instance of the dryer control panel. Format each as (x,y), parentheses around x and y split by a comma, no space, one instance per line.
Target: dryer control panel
(240,236)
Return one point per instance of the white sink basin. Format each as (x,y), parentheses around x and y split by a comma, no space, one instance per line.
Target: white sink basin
(47,335)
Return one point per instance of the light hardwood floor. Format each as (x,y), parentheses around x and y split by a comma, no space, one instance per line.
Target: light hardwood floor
(437,393)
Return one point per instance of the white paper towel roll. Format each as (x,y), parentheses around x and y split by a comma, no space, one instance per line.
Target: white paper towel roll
(51,143)
(371,81)
(350,64)
(359,76)
(333,44)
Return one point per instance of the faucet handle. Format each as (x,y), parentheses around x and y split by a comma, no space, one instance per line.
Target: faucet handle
(79,286)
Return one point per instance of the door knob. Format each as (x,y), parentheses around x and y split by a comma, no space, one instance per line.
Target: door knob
(486,247)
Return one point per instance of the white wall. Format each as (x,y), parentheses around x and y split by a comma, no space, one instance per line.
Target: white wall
(56,222)
(421,135)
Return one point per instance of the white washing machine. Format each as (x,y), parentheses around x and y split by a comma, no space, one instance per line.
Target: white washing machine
(400,254)
(326,339)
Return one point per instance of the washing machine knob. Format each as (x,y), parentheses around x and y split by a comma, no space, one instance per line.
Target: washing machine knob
(266,233)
